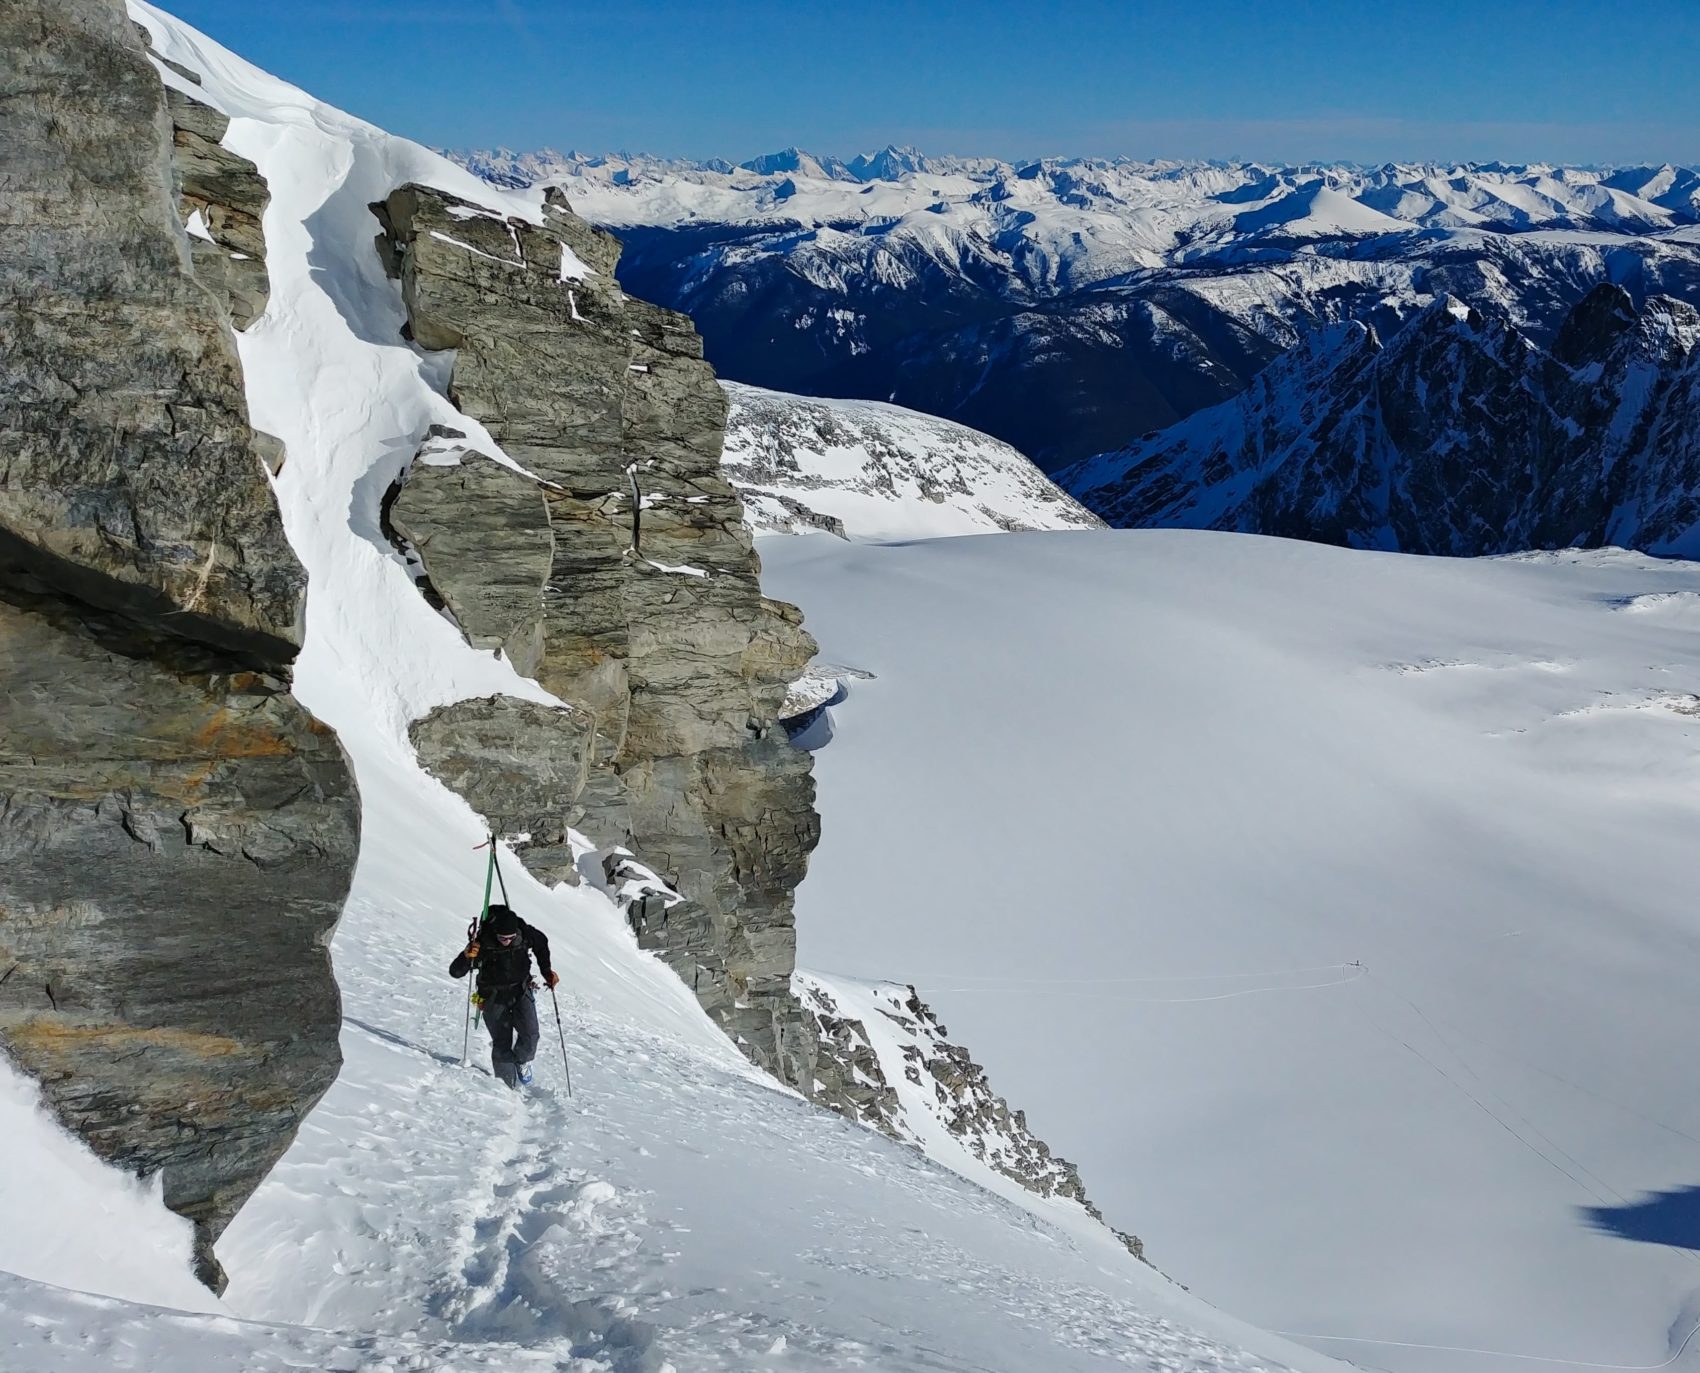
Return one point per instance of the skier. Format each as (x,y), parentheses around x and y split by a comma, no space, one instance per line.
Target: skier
(502,951)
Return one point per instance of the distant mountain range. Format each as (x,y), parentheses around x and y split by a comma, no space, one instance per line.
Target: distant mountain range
(1069,305)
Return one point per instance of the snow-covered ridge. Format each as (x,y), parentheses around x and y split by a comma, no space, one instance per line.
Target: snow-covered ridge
(875,471)
(1122,213)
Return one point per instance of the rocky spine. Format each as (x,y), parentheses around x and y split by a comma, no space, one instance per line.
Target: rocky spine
(615,569)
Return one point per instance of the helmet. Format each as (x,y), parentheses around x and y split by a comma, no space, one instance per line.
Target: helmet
(502,925)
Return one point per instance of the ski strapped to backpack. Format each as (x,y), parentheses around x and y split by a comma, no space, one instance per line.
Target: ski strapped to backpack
(472,934)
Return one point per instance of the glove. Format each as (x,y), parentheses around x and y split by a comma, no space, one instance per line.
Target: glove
(554,978)
(471,950)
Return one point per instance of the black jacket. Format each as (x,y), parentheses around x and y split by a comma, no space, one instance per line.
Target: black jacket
(503,973)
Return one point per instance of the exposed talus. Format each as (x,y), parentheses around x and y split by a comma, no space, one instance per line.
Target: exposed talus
(177,834)
(652,622)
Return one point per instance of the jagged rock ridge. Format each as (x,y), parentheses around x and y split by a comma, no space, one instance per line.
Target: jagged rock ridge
(894,1068)
(177,834)
(1459,435)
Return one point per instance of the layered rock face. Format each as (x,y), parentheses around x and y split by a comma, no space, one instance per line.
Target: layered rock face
(117,374)
(1461,435)
(617,571)
(177,834)
(221,196)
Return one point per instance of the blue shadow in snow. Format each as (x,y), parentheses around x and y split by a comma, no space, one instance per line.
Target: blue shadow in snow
(1671,1218)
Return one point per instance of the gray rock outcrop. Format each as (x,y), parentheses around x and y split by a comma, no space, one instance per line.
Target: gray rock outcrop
(105,414)
(522,765)
(621,575)
(482,533)
(649,620)
(177,833)
(945,1082)
(223,195)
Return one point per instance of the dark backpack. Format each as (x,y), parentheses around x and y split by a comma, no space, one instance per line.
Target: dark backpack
(502,972)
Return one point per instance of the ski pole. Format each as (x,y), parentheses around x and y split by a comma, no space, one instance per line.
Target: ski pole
(471,977)
(563,1034)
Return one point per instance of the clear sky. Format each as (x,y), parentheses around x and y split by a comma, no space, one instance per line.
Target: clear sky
(1363,80)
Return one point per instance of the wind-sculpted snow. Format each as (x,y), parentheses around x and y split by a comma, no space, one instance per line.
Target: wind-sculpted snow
(874,471)
(1068,305)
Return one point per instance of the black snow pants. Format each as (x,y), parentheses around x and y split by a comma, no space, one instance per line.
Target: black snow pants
(512,1023)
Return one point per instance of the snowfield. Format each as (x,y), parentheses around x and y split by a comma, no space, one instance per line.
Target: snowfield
(1334,911)
(681,1212)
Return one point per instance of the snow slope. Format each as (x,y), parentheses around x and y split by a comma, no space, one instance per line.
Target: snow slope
(1334,911)
(681,1212)
(876,471)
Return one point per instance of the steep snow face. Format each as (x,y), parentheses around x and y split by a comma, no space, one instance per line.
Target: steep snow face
(873,471)
(1066,306)
(1333,910)
(680,1211)
(1460,436)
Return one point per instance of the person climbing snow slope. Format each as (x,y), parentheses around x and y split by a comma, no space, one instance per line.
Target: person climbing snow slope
(502,951)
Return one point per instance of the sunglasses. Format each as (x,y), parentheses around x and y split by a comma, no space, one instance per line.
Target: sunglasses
(506,939)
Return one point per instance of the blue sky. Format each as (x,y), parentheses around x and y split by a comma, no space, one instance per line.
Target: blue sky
(1570,80)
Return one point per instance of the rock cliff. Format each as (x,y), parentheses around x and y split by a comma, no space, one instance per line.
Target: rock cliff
(176,833)
(607,558)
